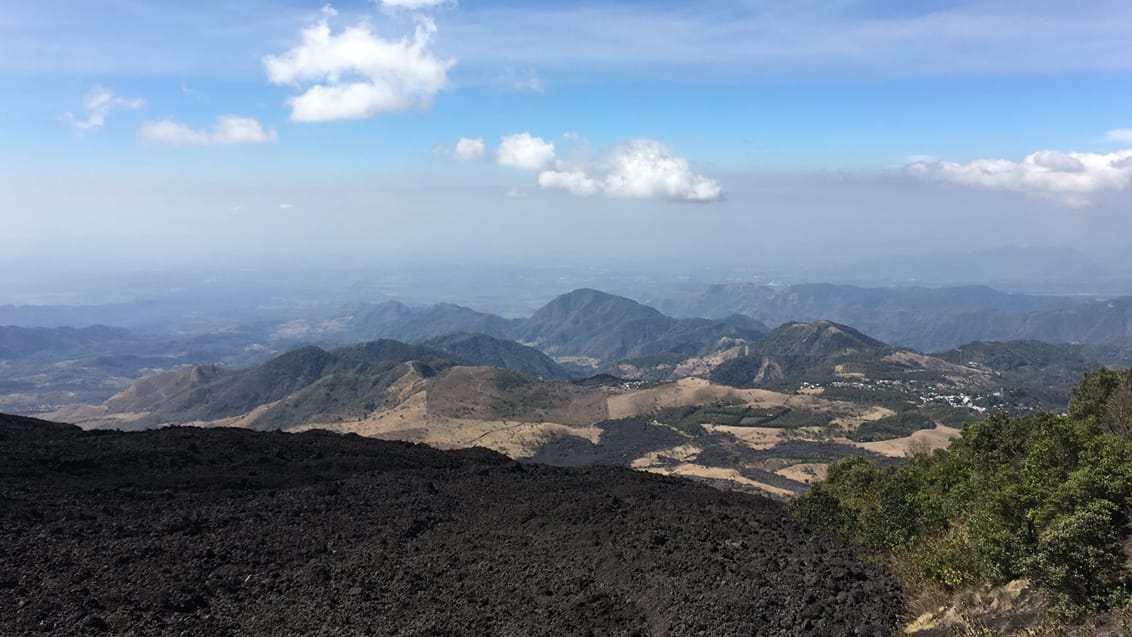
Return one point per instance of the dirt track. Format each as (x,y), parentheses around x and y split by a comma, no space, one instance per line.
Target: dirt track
(233,532)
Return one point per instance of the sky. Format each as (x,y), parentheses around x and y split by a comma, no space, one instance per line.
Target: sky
(141,134)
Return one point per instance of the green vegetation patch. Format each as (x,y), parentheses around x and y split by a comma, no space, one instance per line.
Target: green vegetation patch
(908,422)
(1045,497)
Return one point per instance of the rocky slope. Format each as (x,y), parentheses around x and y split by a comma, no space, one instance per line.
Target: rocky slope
(224,532)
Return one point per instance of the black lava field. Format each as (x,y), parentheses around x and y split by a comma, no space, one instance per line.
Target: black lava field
(212,532)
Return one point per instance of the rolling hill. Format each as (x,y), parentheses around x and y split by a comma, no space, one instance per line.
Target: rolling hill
(311,383)
(344,380)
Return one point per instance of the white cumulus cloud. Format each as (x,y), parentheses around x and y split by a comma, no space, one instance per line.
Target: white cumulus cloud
(575,181)
(1068,177)
(98,104)
(637,168)
(229,129)
(469,148)
(642,168)
(357,74)
(524,151)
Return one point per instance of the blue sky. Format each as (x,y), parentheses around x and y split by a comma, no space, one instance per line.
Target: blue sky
(184,130)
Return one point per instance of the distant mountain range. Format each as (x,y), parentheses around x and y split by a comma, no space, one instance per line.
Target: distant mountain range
(763,413)
(585,332)
(312,384)
(596,377)
(602,329)
(925,319)
(587,325)
(43,368)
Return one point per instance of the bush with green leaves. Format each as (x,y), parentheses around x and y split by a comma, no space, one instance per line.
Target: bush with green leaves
(1044,497)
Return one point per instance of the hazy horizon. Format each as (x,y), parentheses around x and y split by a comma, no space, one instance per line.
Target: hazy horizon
(285,290)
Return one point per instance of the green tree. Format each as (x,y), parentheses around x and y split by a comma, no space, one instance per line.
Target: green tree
(1089,397)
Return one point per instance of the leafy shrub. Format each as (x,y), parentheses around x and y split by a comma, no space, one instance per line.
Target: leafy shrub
(1078,558)
(1045,497)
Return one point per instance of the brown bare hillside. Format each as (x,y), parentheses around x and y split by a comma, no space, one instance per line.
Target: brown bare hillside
(684,392)
(922,440)
(164,390)
(697,391)
(411,421)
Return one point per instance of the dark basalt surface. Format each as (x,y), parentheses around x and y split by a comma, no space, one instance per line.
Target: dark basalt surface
(230,532)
